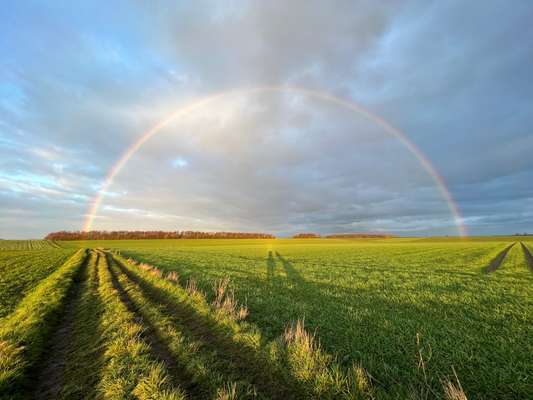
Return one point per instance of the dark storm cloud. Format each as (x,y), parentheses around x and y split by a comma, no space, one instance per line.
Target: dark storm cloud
(78,84)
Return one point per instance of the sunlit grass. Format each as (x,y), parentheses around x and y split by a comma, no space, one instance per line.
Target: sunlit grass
(21,271)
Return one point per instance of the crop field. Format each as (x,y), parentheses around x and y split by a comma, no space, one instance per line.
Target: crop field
(22,270)
(280,319)
(27,244)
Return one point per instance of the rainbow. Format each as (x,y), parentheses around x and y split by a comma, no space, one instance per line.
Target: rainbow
(349,105)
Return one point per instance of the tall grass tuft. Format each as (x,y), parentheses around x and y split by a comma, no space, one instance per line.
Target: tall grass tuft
(319,371)
(229,392)
(154,385)
(224,300)
(192,287)
(295,334)
(173,277)
(453,390)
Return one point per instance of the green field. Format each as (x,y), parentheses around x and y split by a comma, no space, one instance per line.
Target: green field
(412,313)
(22,270)
(27,244)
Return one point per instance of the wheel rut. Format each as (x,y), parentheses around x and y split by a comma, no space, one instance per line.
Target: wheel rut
(50,373)
(528,255)
(498,260)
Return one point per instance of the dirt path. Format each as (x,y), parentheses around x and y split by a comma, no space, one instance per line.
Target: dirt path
(528,255)
(498,260)
(50,373)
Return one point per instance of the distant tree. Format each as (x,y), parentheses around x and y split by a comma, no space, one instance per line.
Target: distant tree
(358,236)
(306,236)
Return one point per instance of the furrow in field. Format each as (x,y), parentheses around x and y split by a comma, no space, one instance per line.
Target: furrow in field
(132,367)
(528,255)
(237,361)
(49,379)
(498,260)
(53,243)
(84,358)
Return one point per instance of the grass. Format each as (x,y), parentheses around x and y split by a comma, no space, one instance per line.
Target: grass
(225,319)
(383,305)
(22,270)
(233,354)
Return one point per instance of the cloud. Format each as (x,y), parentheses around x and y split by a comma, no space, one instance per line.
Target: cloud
(78,86)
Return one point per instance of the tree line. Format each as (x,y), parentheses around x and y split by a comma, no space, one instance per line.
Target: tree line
(124,235)
(358,236)
(342,236)
(306,236)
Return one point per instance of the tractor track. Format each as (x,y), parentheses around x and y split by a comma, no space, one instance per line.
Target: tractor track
(50,373)
(498,260)
(528,256)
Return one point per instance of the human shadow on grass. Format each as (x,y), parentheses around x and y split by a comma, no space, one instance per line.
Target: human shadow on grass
(271,266)
(294,276)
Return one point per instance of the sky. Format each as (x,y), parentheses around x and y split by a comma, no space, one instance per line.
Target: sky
(80,82)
